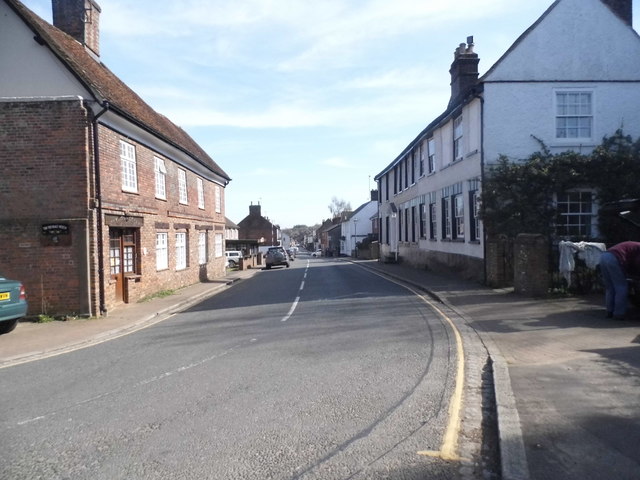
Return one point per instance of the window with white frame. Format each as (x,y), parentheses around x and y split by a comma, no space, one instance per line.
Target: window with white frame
(446,217)
(575,213)
(423,220)
(458,216)
(202,247)
(407,164)
(162,251)
(182,186)
(395,180)
(421,171)
(218,199)
(433,221)
(218,246)
(474,205)
(200,193)
(414,223)
(386,185)
(406,224)
(431,155)
(128,165)
(457,139)
(387,230)
(181,250)
(413,167)
(161,178)
(574,114)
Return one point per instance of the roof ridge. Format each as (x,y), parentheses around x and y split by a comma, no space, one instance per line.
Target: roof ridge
(107,86)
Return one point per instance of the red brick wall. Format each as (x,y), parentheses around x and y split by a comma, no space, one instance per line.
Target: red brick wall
(158,215)
(46,155)
(43,153)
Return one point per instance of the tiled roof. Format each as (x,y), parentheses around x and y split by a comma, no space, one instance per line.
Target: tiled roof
(107,87)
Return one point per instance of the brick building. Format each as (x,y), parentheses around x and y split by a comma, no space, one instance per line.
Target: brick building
(104,201)
(256,227)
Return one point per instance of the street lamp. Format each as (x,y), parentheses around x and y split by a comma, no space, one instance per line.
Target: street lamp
(355,230)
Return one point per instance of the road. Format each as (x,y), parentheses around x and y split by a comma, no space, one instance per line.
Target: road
(319,371)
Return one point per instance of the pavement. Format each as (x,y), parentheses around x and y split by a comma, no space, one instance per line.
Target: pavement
(565,379)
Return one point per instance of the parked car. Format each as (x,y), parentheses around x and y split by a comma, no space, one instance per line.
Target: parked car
(13,304)
(233,257)
(317,253)
(276,256)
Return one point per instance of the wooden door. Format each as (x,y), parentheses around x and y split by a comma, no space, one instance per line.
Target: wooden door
(122,258)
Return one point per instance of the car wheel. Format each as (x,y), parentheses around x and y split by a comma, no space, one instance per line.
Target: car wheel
(268,267)
(287,264)
(232,264)
(6,327)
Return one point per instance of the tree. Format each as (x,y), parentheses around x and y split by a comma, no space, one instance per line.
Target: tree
(518,196)
(300,232)
(338,206)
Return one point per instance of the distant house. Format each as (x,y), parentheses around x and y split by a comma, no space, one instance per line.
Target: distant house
(231,230)
(570,79)
(104,200)
(358,226)
(256,227)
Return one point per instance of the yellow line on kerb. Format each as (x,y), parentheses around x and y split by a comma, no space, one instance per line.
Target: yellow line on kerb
(448,449)
(450,441)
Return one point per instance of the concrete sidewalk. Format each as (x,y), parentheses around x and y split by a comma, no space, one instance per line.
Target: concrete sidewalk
(566,379)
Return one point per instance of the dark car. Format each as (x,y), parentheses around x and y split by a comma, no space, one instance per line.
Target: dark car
(276,256)
(13,304)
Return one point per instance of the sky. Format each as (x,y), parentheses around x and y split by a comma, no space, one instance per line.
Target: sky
(300,101)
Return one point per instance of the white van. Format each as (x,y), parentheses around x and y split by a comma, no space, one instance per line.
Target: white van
(233,258)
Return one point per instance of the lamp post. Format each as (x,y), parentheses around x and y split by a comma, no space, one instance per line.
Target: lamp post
(355,230)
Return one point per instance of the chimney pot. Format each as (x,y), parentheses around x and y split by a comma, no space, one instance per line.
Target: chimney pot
(464,69)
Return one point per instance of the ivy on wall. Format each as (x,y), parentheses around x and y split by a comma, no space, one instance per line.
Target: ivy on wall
(518,196)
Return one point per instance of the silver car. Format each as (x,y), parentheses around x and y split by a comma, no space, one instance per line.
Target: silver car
(276,256)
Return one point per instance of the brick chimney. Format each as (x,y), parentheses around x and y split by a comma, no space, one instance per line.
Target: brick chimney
(464,69)
(255,210)
(622,8)
(81,20)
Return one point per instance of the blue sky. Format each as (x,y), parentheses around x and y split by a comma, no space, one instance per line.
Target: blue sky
(300,101)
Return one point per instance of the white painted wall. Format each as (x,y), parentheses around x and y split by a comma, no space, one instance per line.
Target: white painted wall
(41,75)
(578,40)
(356,231)
(515,112)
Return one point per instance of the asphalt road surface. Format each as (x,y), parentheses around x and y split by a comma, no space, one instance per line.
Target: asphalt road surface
(319,371)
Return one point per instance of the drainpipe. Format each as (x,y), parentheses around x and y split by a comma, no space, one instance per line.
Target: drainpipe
(482,178)
(96,159)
